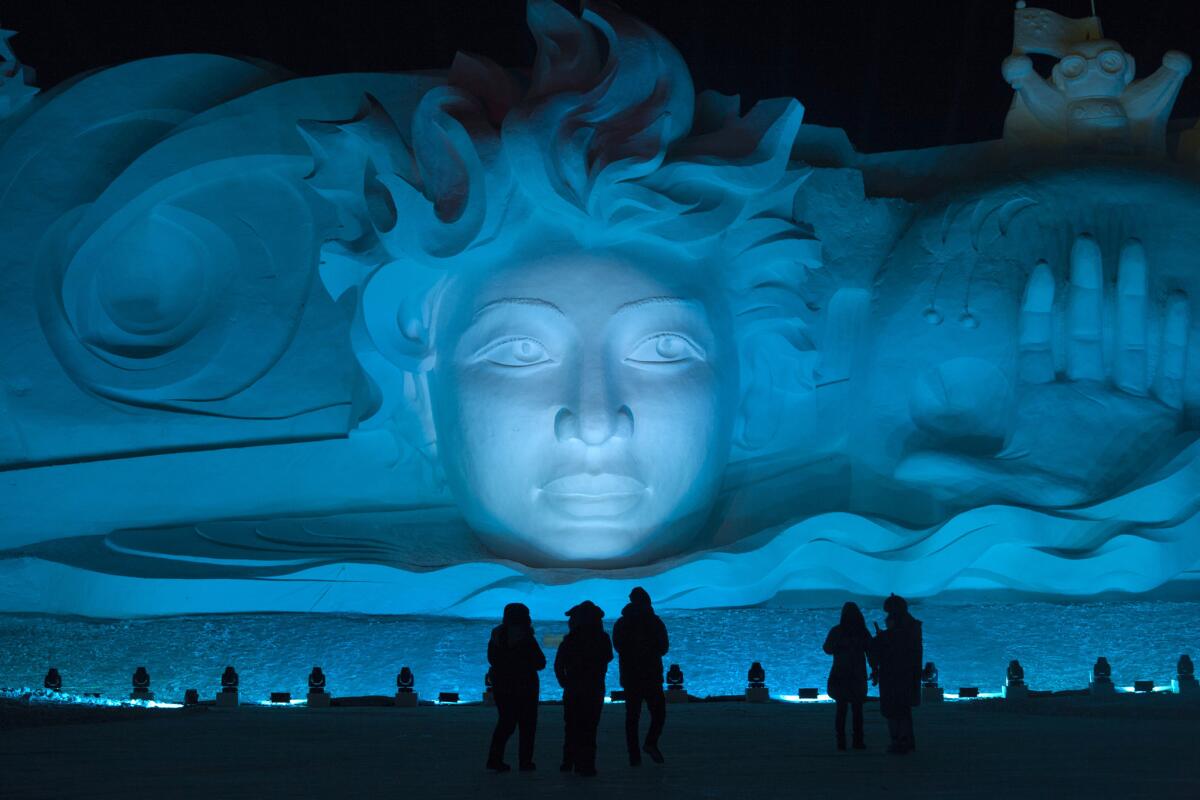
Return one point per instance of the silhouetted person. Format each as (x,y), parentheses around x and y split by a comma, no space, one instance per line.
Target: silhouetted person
(579,666)
(515,657)
(640,639)
(897,659)
(849,643)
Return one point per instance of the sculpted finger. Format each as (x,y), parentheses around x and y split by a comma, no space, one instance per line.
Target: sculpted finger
(1085,312)
(1037,326)
(1172,361)
(1129,371)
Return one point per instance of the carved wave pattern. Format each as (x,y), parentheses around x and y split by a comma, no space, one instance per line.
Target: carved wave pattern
(1132,543)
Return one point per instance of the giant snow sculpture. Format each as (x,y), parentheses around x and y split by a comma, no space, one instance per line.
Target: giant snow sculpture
(429,343)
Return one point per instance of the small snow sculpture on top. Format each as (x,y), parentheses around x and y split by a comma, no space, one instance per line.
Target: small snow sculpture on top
(1091,101)
(15,79)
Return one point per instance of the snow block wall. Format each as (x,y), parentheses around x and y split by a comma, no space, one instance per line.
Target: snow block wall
(433,343)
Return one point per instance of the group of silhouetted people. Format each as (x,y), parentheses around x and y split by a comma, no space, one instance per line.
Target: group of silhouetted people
(894,655)
(640,638)
(580,665)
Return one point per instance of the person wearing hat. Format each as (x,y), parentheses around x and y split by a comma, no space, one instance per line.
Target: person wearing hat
(580,665)
(640,639)
(897,655)
(515,658)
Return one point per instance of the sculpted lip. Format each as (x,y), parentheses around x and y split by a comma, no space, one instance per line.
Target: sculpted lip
(604,495)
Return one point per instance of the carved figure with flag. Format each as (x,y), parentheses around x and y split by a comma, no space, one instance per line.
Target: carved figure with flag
(1091,101)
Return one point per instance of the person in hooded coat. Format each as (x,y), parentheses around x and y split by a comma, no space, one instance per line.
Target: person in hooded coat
(897,659)
(515,658)
(849,643)
(640,639)
(580,665)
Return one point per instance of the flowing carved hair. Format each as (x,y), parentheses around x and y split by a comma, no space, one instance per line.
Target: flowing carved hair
(604,138)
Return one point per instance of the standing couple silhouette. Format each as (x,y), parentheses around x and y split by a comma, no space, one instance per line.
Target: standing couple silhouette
(894,655)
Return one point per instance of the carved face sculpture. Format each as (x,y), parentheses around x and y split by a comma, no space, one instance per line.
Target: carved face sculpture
(583,403)
(1094,69)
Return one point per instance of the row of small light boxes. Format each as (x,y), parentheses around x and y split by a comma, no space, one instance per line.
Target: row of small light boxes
(756,686)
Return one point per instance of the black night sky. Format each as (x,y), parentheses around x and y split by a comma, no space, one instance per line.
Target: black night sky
(894,74)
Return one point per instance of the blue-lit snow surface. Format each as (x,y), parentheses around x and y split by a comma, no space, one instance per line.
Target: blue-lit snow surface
(1056,643)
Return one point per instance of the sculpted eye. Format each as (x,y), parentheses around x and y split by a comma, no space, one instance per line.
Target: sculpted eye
(1112,61)
(665,348)
(519,351)
(1072,66)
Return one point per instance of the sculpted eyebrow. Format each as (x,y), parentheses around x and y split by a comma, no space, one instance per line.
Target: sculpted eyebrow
(647,301)
(516,301)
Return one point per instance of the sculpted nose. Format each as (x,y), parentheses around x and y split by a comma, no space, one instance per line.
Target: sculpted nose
(593,423)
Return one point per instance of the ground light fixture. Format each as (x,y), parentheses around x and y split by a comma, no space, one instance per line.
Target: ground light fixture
(756,676)
(675,691)
(929,675)
(228,696)
(756,684)
(489,697)
(1014,681)
(405,696)
(674,677)
(931,691)
(1185,676)
(1101,681)
(141,685)
(317,696)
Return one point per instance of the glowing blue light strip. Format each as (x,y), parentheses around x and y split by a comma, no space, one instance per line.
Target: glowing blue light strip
(45,696)
(982,696)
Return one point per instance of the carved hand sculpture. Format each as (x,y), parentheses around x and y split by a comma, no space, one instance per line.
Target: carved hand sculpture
(1081,424)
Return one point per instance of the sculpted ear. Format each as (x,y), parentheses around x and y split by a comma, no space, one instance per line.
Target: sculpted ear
(777,377)
(771,308)
(415,322)
(392,340)
(416,393)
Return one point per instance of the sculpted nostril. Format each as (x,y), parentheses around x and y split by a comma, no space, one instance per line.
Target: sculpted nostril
(566,425)
(624,428)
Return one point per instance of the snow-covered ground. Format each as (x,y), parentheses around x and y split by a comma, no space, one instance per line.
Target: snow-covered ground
(1127,747)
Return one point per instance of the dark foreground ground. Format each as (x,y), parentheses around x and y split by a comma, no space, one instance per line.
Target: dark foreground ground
(1055,747)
